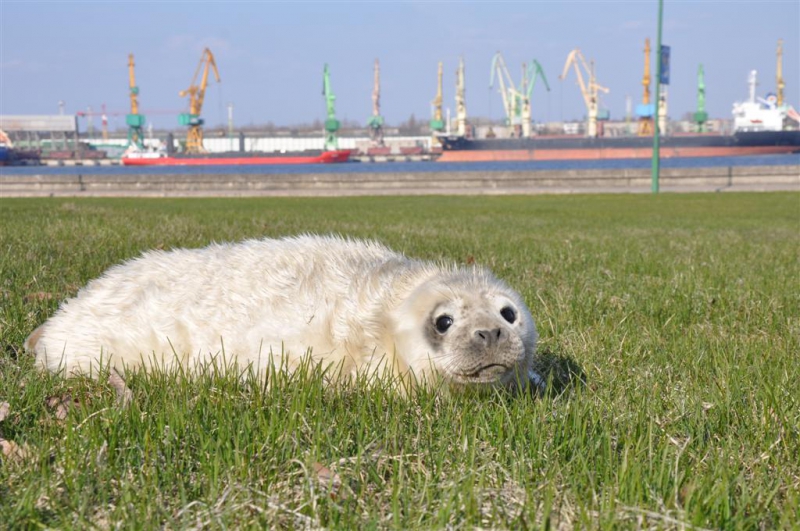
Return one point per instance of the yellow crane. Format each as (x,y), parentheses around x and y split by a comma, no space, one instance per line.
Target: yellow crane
(133,87)
(437,122)
(590,91)
(134,120)
(779,74)
(197,93)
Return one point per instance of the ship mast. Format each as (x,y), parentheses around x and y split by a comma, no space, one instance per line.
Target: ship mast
(779,73)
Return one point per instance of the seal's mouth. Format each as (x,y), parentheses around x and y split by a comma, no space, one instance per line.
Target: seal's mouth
(499,369)
(490,372)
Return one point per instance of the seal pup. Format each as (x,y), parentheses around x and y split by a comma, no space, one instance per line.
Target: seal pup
(354,305)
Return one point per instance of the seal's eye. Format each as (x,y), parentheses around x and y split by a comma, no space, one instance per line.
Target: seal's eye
(509,314)
(443,322)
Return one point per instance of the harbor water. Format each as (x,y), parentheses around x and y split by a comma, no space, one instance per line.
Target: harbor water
(412,167)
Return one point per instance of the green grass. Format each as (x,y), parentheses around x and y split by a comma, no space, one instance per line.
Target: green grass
(681,311)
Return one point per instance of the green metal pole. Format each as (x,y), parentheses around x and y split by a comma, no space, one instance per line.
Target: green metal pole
(656,147)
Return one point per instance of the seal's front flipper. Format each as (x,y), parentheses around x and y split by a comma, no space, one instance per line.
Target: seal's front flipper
(537,383)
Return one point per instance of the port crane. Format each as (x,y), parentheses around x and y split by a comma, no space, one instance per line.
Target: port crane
(701,116)
(134,120)
(437,122)
(375,122)
(517,102)
(529,76)
(331,123)
(197,93)
(508,92)
(461,102)
(590,92)
(645,110)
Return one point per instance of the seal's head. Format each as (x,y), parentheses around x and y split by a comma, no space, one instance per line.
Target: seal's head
(467,327)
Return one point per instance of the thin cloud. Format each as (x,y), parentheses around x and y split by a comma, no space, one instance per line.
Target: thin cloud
(22,66)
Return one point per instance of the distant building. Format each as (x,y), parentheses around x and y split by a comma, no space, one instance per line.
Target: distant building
(41,131)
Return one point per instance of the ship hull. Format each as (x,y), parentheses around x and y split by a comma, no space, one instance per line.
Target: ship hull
(459,149)
(326,157)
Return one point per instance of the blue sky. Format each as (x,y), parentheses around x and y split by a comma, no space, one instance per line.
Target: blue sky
(271,54)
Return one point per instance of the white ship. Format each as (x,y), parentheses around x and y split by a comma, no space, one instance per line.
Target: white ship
(763,114)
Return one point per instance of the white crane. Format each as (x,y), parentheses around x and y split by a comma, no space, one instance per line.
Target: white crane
(590,92)
(461,102)
(508,91)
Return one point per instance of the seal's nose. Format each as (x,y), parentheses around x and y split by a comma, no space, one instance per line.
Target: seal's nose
(490,338)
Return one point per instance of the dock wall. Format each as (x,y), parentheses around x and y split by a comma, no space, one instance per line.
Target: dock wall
(753,178)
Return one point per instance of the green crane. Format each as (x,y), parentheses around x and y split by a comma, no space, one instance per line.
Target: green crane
(701,116)
(517,101)
(331,123)
(134,120)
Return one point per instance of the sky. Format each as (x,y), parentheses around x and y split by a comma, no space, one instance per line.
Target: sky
(271,55)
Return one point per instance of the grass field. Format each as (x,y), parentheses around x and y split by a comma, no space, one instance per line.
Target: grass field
(671,324)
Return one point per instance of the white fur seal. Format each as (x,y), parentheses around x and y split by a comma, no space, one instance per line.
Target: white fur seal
(351,304)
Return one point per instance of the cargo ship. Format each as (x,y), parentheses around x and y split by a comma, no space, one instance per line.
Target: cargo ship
(235,158)
(461,149)
(761,127)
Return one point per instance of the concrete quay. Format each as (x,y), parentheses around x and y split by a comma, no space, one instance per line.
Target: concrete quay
(720,179)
